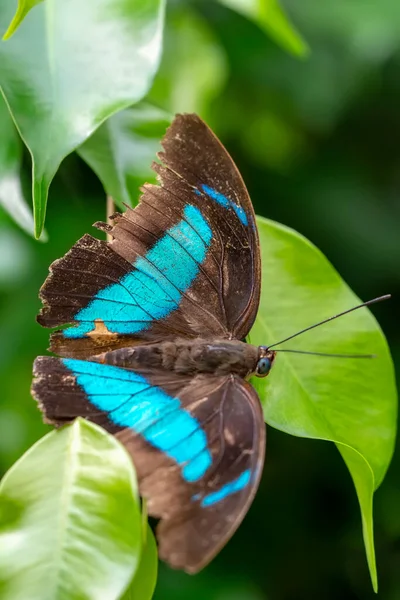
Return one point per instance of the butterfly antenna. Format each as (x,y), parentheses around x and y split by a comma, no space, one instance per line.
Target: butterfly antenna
(327,354)
(373,301)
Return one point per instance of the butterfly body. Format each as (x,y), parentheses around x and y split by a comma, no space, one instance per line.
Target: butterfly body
(189,357)
(154,351)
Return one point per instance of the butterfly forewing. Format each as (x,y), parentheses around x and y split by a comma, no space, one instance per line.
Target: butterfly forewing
(184,263)
(198,444)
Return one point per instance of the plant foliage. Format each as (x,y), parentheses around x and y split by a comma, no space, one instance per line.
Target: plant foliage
(78,76)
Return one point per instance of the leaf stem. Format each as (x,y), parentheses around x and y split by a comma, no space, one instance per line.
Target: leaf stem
(110,209)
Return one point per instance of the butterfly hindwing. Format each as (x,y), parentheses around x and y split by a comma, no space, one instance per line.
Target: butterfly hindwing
(185,262)
(190,538)
(197,444)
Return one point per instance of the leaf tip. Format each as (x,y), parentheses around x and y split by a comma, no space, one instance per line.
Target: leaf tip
(21,12)
(295,44)
(13,26)
(304,50)
(7,35)
(374,580)
(38,230)
(39,215)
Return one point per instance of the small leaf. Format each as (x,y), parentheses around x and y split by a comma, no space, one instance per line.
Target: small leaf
(74,530)
(269,16)
(69,67)
(143,584)
(11,197)
(24,6)
(351,402)
(120,152)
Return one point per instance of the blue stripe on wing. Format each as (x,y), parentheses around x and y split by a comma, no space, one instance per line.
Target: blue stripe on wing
(226,490)
(131,401)
(155,286)
(225,202)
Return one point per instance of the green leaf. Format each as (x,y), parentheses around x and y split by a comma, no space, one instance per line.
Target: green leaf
(70,521)
(11,196)
(351,402)
(120,152)
(144,582)
(24,6)
(69,67)
(269,16)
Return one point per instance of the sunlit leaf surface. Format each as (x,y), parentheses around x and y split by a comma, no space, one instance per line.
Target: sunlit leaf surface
(68,67)
(269,15)
(70,525)
(351,402)
(24,6)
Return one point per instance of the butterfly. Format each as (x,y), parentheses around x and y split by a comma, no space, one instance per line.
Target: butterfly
(155,349)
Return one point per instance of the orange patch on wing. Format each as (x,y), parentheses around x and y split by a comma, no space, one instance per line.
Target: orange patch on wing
(100,329)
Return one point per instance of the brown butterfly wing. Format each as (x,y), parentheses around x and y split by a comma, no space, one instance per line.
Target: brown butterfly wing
(200,492)
(189,538)
(220,301)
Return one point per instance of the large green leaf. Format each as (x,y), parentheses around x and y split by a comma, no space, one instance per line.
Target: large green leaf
(144,582)
(269,16)
(71,65)
(122,149)
(11,196)
(70,525)
(351,402)
(24,6)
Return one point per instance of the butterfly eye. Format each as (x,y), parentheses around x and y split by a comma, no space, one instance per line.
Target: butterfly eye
(263,367)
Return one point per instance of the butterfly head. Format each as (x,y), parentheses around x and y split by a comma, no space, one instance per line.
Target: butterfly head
(265,360)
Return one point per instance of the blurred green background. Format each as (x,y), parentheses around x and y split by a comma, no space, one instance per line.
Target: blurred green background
(317,142)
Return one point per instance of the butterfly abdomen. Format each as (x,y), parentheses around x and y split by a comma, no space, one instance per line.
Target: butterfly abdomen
(188,357)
